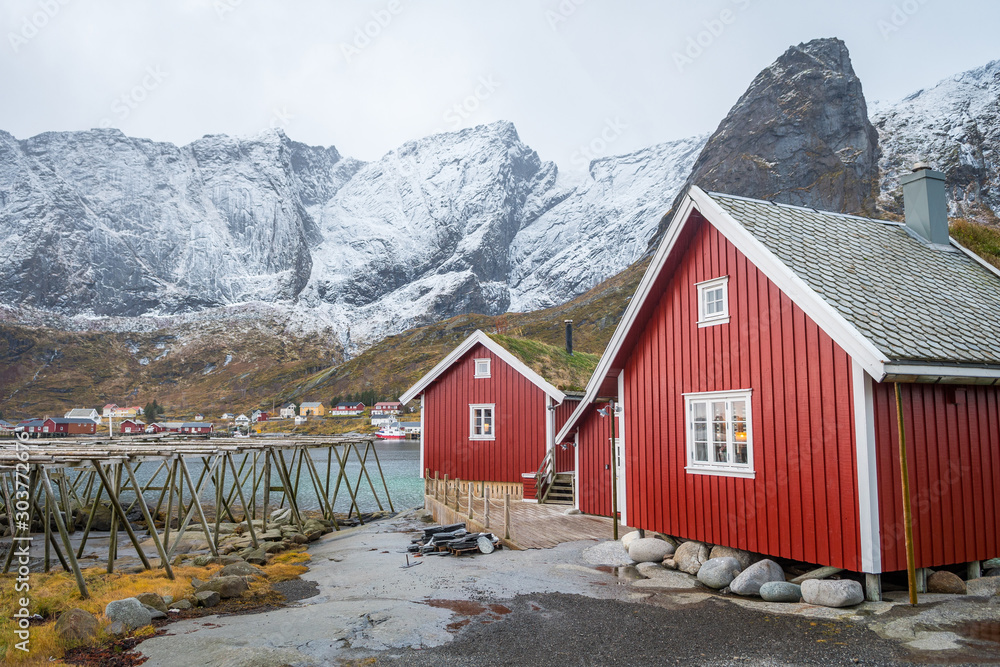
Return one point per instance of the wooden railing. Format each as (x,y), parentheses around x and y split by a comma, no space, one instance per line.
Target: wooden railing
(473,502)
(545,474)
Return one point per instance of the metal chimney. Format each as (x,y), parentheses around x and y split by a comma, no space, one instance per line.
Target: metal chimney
(569,336)
(925,205)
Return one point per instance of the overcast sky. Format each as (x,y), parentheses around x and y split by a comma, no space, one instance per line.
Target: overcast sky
(366,76)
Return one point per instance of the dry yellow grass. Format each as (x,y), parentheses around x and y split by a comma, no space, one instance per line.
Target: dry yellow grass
(52,594)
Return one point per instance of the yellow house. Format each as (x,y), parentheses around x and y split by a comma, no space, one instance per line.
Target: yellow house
(312,410)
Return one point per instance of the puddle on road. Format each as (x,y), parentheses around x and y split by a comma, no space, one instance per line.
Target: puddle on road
(469,609)
(988,631)
(626,572)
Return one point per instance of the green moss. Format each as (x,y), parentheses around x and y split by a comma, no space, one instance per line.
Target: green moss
(980,239)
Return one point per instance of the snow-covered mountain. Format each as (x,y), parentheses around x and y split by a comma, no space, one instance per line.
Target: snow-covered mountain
(135,232)
(97,224)
(954,125)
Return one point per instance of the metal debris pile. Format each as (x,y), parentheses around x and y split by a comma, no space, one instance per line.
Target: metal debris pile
(453,540)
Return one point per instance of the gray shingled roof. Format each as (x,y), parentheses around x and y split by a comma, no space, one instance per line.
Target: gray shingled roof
(912,301)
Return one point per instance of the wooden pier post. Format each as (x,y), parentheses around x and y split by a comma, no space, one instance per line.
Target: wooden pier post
(61,527)
(486,506)
(470,500)
(506,516)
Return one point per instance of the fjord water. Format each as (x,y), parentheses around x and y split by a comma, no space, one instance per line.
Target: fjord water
(400,462)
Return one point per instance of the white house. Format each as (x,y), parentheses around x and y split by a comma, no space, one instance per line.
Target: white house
(83,413)
(242,420)
(288,411)
(383,420)
(300,419)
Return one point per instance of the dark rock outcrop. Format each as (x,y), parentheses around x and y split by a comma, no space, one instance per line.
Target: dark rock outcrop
(799,135)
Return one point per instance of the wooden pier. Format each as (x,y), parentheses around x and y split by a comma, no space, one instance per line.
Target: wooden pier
(43,482)
(520,524)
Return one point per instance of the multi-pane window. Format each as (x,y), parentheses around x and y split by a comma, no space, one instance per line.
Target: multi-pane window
(718,433)
(482,368)
(713,301)
(481,422)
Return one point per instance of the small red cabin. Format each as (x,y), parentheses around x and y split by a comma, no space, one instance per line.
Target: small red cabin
(487,417)
(754,372)
(131,427)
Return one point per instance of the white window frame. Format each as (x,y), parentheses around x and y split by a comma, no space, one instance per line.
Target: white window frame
(730,468)
(486,366)
(721,317)
(492,435)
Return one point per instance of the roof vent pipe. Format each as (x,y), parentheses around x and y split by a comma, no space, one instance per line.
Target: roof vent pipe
(569,336)
(925,205)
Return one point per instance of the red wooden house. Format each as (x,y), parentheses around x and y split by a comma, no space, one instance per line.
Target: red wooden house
(488,417)
(72,426)
(343,409)
(755,370)
(131,427)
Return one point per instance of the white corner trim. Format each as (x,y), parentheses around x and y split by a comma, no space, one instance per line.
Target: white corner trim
(864,437)
(481,338)
(623,473)
(845,334)
(423,434)
(576,469)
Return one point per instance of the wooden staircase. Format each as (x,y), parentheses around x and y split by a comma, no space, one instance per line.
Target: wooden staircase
(562,490)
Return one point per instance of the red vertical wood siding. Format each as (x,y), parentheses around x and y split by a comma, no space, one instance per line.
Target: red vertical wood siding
(802,504)
(519,422)
(594,475)
(565,458)
(953,451)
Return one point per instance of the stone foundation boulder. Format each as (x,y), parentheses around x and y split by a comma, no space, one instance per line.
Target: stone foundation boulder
(983,586)
(690,556)
(718,573)
(780,591)
(945,582)
(756,575)
(832,592)
(649,550)
(745,558)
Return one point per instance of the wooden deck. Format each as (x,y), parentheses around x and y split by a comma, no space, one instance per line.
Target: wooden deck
(532,525)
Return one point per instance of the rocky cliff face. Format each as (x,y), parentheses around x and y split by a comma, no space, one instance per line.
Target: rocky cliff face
(799,135)
(954,125)
(99,224)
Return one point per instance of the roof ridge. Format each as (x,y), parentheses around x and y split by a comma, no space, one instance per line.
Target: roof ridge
(807,209)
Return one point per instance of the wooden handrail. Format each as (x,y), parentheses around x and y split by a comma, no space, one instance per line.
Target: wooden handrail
(545,474)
